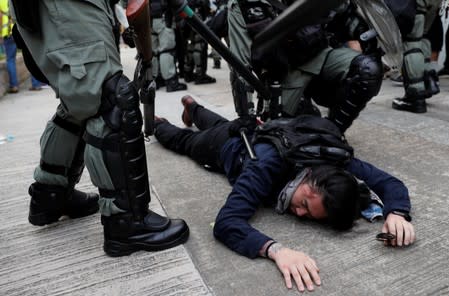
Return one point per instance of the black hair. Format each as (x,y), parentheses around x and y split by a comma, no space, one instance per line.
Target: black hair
(340,191)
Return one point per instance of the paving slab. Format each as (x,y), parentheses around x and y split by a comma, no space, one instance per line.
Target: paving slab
(66,258)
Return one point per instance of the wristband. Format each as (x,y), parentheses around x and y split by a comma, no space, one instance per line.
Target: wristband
(274,248)
(268,247)
(406,216)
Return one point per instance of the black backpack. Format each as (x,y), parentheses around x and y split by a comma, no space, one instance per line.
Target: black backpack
(306,140)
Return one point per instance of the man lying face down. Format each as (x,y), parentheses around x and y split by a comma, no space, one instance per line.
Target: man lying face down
(321,188)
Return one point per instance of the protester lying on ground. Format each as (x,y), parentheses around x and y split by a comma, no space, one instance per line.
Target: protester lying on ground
(323,186)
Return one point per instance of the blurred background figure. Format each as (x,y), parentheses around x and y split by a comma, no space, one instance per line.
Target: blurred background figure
(218,23)
(195,48)
(164,47)
(420,80)
(9,45)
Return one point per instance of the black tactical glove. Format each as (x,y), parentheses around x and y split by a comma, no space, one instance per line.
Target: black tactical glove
(127,36)
(245,122)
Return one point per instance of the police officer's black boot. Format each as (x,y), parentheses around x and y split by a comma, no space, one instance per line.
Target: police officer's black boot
(50,202)
(217,64)
(160,82)
(189,76)
(174,85)
(431,82)
(411,104)
(127,233)
(203,78)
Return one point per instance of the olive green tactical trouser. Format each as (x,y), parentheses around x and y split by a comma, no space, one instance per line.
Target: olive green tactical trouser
(164,46)
(330,64)
(417,50)
(77,53)
(195,60)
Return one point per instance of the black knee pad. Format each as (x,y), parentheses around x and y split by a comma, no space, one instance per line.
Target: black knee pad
(123,149)
(364,78)
(120,105)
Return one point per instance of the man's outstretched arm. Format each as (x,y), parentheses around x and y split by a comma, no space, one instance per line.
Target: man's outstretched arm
(253,186)
(394,195)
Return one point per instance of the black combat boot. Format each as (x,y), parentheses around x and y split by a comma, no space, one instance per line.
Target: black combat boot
(174,85)
(124,234)
(189,76)
(432,82)
(217,64)
(160,82)
(410,104)
(204,79)
(50,202)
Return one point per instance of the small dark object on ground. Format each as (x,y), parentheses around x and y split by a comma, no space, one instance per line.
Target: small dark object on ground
(385,237)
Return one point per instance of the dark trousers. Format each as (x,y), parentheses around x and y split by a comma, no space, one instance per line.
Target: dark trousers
(203,146)
(446,61)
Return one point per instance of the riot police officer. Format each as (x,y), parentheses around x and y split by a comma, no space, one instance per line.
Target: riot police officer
(304,64)
(98,123)
(195,48)
(164,45)
(420,80)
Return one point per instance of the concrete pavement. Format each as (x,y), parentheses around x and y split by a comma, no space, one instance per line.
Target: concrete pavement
(66,258)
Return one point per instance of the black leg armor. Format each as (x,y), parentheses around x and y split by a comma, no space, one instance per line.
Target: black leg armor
(136,228)
(124,149)
(362,82)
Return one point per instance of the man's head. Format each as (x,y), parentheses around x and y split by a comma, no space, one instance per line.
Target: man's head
(327,193)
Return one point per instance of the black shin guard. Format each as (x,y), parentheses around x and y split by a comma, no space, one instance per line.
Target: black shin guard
(362,82)
(124,149)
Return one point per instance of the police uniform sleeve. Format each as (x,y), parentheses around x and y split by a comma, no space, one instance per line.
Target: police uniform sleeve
(252,187)
(392,192)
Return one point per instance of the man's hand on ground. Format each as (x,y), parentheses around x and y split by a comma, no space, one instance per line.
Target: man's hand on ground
(401,228)
(298,265)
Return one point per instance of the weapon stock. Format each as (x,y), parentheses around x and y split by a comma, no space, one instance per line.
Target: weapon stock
(138,14)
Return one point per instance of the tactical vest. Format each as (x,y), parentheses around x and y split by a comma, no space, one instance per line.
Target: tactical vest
(306,140)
